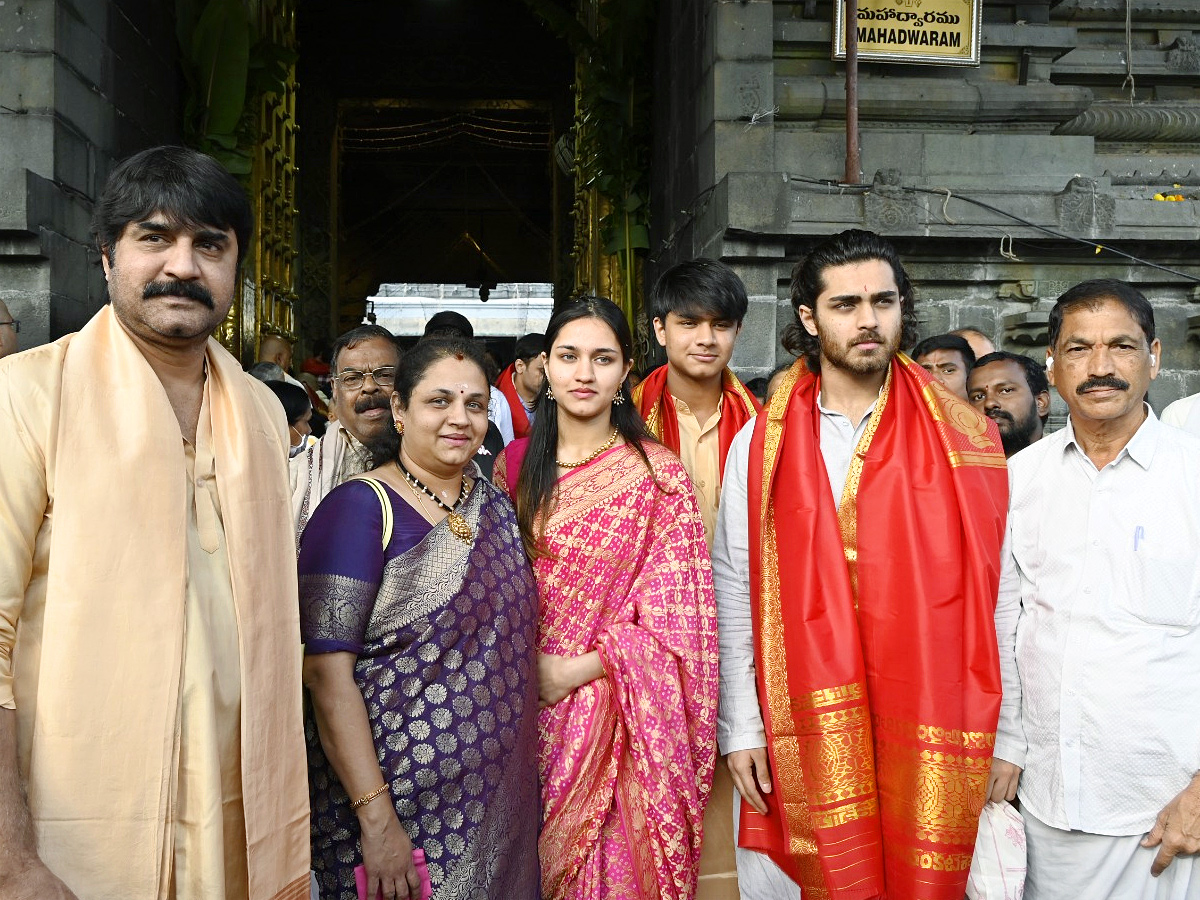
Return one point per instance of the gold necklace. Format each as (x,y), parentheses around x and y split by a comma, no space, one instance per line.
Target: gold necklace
(458,524)
(612,439)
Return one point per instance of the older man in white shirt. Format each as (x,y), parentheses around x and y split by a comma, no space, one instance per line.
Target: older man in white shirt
(1099,616)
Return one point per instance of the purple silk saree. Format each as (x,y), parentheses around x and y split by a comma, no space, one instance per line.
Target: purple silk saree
(445,637)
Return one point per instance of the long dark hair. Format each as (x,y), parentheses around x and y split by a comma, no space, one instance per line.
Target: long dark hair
(537,482)
(808,281)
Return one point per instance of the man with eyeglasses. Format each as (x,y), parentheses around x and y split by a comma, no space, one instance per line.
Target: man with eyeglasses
(9,328)
(363,373)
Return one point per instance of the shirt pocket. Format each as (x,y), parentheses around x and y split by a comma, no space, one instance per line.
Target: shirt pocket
(1161,590)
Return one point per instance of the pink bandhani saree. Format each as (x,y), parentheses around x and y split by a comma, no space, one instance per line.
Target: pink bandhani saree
(626,761)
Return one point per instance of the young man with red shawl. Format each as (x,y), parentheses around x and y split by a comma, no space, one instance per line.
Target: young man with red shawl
(856,562)
(523,381)
(695,404)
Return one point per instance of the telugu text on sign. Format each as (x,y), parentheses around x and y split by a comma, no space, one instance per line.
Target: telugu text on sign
(939,32)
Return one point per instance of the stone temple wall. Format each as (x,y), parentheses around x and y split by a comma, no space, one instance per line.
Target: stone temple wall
(750,146)
(82,85)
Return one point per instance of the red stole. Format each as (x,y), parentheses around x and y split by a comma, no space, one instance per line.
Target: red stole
(875,646)
(520,418)
(653,401)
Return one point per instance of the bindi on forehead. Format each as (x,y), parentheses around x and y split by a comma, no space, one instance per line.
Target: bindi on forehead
(463,390)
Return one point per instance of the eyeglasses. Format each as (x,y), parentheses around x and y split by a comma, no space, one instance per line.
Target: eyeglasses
(352,379)
(15,323)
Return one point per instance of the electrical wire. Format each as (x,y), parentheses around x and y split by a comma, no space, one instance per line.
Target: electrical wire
(947,195)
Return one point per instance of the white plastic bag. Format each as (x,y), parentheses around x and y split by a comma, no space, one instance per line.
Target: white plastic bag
(998,867)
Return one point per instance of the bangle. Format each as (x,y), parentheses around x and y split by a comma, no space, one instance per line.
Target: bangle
(367,798)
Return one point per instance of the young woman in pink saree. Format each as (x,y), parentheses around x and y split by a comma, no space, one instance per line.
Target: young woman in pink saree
(627,637)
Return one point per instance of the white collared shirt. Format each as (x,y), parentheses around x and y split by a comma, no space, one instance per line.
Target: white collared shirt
(500,414)
(1099,611)
(740,722)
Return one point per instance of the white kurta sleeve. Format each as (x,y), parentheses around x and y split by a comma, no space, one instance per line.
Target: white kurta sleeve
(1010,734)
(739,722)
(500,414)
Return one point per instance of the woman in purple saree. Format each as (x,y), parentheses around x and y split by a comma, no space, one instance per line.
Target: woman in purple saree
(420,659)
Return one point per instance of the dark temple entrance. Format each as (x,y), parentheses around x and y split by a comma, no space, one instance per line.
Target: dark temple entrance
(427,131)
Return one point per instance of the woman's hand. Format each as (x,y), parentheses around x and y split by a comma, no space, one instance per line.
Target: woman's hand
(558,676)
(387,853)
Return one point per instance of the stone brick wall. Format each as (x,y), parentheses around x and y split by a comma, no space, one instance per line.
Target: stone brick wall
(82,85)
(1045,129)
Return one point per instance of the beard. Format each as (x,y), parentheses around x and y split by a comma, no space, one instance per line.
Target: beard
(844,356)
(1015,434)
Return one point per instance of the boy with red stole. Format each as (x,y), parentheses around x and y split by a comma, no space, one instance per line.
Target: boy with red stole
(856,563)
(695,404)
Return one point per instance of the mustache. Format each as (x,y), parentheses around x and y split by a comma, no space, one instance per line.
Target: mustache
(372,401)
(1103,381)
(997,414)
(871,336)
(190,289)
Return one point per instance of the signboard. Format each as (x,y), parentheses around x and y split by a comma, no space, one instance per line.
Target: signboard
(937,32)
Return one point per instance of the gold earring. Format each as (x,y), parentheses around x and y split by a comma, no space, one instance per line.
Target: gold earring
(620,398)
(399,426)
(549,392)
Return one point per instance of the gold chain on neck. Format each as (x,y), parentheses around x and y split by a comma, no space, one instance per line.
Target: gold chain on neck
(612,439)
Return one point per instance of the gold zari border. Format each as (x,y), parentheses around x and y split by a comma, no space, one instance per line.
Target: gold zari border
(936,735)
(988,460)
(843,693)
(786,756)
(840,816)
(937,861)
(941,772)
(785,749)
(952,415)
(847,511)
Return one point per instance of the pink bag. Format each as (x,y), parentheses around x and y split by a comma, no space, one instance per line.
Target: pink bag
(360,878)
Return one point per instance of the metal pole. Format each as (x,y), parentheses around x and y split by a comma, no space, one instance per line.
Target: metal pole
(853,164)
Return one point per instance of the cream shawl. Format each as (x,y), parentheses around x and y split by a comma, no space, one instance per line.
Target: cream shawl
(104,752)
(322,467)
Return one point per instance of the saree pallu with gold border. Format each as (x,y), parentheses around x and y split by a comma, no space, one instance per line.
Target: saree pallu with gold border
(626,760)
(875,647)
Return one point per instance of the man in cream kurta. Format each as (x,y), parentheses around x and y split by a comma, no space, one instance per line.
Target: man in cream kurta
(210,830)
(150,726)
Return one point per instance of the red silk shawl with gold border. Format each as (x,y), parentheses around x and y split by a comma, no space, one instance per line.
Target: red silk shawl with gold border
(653,401)
(875,647)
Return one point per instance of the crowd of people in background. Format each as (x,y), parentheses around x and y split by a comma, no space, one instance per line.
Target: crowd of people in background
(407,623)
